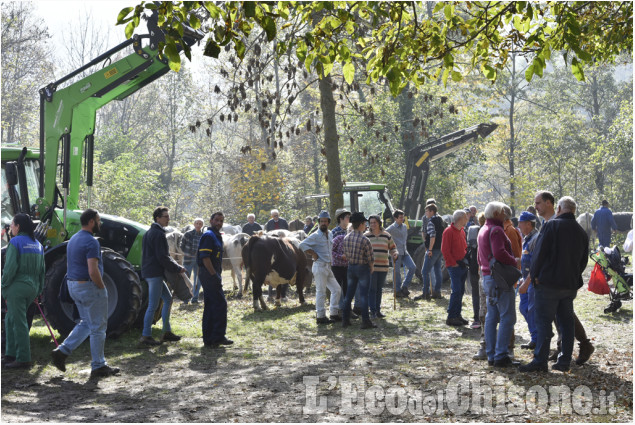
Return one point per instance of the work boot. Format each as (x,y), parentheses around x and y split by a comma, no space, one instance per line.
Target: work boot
(149,341)
(529,346)
(367,324)
(505,362)
(533,367)
(59,359)
(17,365)
(169,336)
(481,354)
(437,296)
(7,359)
(554,356)
(346,323)
(561,367)
(324,321)
(104,372)
(336,318)
(586,349)
(454,321)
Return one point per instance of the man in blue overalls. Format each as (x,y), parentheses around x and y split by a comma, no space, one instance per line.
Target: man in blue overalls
(209,258)
(527,225)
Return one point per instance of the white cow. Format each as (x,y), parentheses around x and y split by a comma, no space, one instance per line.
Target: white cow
(232,257)
(228,229)
(281,233)
(174,238)
(299,235)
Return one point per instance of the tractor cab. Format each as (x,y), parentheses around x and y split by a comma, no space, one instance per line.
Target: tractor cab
(366,197)
(18,193)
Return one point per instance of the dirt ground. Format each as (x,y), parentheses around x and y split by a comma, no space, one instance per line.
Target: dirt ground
(284,368)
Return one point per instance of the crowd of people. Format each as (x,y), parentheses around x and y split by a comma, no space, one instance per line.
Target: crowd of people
(351,262)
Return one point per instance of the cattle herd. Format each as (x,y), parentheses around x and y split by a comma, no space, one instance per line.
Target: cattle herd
(274,258)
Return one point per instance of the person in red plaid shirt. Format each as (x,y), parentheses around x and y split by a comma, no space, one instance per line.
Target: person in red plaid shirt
(359,254)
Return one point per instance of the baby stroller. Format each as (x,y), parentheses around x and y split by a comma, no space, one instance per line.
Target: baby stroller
(612,266)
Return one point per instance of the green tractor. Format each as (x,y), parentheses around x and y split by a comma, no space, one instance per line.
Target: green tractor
(45,183)
(375,198)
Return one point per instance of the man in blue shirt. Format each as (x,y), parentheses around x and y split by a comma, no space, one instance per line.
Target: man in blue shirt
(210,259)
(86,287)
(319,245)
(603,222)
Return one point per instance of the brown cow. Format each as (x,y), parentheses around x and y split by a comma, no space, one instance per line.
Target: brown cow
(273,261)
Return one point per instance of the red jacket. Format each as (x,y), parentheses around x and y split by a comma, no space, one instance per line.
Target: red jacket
(453,245)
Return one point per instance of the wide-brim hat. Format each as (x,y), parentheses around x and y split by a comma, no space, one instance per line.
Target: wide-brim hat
(324,214)
(341,211)
(358,217)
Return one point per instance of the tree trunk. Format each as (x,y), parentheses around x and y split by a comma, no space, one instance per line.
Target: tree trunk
(408,137)
(331,144)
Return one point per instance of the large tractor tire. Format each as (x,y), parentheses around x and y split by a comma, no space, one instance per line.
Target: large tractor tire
(124,295)
(418,259)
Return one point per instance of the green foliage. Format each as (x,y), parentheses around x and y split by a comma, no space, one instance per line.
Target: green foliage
(125,187)
(255,190)
(25,66)
(588,32)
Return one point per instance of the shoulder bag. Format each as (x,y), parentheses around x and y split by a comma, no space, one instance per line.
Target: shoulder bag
(504,275)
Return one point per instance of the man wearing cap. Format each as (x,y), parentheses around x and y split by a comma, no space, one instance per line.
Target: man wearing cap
(319,245)
(359,254)
(527,224)
(399,233)
(603,222)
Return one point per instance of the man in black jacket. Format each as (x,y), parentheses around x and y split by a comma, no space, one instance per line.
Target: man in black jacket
(559,258)
(155,260)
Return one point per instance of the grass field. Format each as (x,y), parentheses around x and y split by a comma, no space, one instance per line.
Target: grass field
(284,368)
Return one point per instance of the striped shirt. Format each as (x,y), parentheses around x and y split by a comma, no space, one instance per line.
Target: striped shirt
(382,245)
(357,248)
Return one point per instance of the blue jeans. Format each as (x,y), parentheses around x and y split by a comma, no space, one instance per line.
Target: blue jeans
(526,307)
(192,267)
(358,275)
(215,310)
(432,263)
(157,289)
(458,275)
(377,281)
(92,304)
(501,312)
(404,260)
(552,303)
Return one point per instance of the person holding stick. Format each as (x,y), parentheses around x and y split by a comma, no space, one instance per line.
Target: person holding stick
(22,281)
